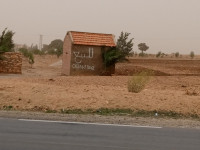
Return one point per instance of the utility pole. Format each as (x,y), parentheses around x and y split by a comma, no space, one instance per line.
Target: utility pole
(40,42)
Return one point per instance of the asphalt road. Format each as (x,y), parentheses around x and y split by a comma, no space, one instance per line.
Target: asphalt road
(40,135)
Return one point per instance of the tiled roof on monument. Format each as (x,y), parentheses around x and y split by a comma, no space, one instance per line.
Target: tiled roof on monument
(95,39)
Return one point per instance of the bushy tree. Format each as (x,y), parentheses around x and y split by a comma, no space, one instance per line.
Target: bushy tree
(124,45)
(54,48)
(111,57)
(143,47)
(120,52)
(6,42)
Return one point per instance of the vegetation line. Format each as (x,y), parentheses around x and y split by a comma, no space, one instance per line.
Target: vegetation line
(114,112)
(130,112)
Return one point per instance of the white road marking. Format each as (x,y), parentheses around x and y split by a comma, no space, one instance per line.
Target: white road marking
(87,123)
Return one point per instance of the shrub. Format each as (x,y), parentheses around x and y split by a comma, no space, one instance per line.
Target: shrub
(24,51)
(37,52)
(192,92)
(120,52)
(141,54)
(158,54)
(192,54)
(111,57)
(28,55)
(138,82)
(31,59)
(177,54)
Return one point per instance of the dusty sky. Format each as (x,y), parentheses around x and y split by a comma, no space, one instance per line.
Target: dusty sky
(165,25)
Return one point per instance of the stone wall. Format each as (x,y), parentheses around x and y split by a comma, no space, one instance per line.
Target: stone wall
(12,63)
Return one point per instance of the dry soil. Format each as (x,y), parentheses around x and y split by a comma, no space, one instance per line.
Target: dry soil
(174,86)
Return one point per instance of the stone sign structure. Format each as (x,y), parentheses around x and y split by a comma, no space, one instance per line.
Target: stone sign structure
(12,63)
(83,53)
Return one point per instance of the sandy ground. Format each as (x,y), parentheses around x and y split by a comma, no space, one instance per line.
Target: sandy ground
(42,87)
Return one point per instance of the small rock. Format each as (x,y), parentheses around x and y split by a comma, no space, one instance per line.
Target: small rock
(183,86)
(51,80)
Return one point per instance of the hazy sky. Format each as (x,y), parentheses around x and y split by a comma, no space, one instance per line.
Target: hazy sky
(165,25)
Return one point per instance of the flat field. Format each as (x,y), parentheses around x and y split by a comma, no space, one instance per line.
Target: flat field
(173,87)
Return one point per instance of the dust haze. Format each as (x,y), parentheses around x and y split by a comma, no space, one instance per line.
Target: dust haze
(165,25)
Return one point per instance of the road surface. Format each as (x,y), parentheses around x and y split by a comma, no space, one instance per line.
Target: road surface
(51,135)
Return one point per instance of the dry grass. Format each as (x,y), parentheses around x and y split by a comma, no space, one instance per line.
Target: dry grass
(137,83)
(192,92)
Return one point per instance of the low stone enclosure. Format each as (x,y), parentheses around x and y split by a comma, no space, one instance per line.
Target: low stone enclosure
(11,63)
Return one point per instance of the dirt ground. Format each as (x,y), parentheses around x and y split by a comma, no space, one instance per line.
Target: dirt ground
(174,87)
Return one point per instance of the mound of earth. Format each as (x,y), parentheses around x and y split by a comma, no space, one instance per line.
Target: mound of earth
(168,66)
(127,69)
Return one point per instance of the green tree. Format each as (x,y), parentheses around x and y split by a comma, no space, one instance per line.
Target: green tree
(6,42)
(143,47)
(120,52)
(124,46)
(111,56)
(55,47)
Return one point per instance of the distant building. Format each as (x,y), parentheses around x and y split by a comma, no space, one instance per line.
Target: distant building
(83,53)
